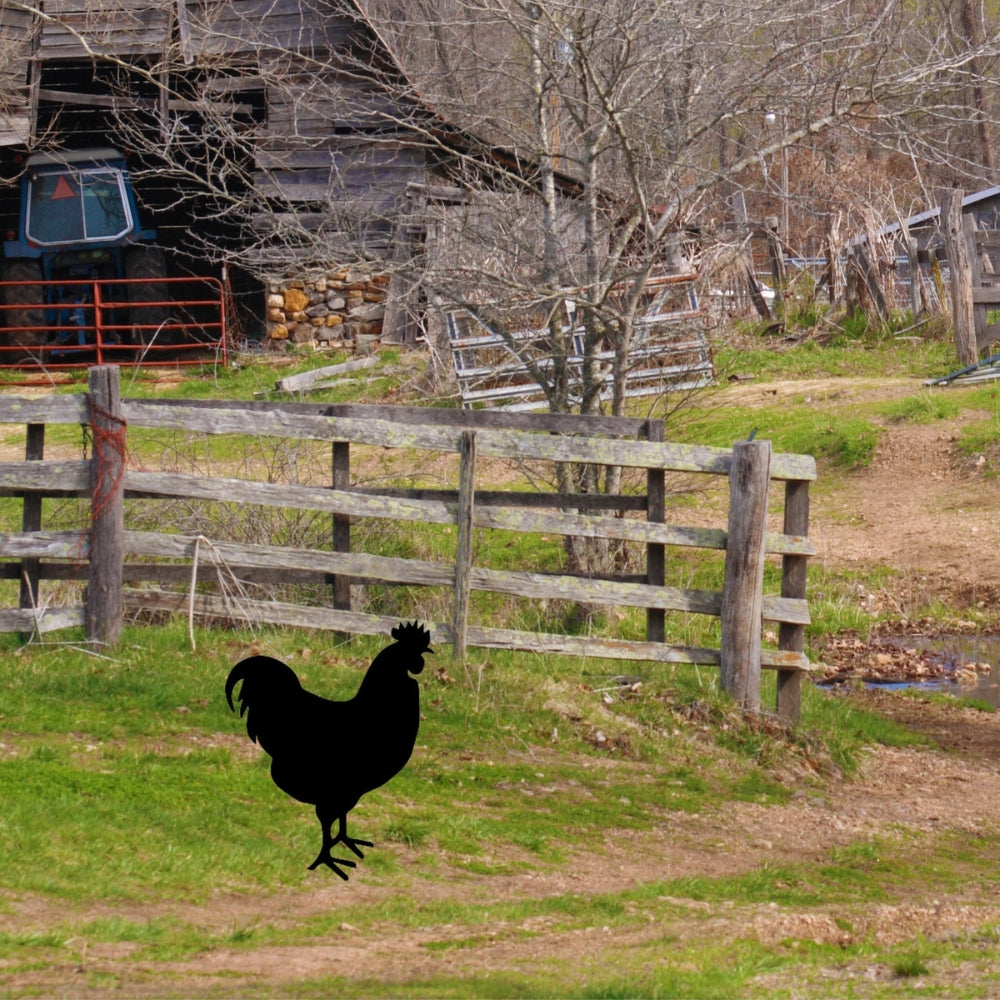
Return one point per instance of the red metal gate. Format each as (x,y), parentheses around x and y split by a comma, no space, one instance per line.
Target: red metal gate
(130,321)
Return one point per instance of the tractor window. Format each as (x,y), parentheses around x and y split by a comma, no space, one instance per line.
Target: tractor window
(77,207)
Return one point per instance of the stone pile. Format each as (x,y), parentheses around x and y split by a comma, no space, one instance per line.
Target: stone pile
(338,308)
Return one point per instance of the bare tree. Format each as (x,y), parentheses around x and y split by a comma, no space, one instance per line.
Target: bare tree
(622,109)
(541,161)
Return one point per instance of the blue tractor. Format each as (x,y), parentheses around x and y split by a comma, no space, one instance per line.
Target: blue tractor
(79,223)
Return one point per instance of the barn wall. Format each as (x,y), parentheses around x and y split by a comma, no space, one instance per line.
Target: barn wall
(217,27)
(123,27)
(17,37)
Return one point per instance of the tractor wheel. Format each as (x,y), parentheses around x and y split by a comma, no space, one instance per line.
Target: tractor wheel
(148,266)
(16,291)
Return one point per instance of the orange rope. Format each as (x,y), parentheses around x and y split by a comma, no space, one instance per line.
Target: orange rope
(110,443)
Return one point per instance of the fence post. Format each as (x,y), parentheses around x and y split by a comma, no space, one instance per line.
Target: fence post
(463,554)
(793,584)
(975,280)
(341,582)
(742,592)
(31,517)
(655,553)
(103,615)
(956,248)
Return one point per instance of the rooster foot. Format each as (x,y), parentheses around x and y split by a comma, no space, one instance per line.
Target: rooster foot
(325,858)
(351,843)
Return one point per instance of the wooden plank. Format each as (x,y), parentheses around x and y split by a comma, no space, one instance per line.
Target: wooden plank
(31,517)
(297,616)
(369,504)
(617,502)
(986,295)
(254,26)
(319,498)
(792,638)
(639,595)
(263,612)
(386,568)
(340,460)
(544,423)
(464,548)
(976,277)
(44,620)
(501,444)
(73,545)
(618,649)
(121,28)
(43,409)
(414,571)
(962,312)
(656,495)
(52,476)
(113,101)
(650,533)
(307,380)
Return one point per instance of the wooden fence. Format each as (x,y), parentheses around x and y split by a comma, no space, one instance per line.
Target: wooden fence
(109,555)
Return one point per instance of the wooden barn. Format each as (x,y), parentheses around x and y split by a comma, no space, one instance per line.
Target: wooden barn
(282,133)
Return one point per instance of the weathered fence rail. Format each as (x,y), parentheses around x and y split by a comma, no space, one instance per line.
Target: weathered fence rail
(124,567)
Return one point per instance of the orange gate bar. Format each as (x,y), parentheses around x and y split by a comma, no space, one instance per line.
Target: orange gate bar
(79,323)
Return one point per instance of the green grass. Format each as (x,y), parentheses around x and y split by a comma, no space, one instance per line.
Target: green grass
(923,407)
(848,442)
(123,754)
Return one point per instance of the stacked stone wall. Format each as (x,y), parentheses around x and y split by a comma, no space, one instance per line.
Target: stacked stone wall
(340,308)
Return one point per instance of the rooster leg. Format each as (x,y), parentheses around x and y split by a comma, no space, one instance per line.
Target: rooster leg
(349,842)
(325,857)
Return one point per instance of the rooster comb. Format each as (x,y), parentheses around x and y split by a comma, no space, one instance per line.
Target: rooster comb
(414,635)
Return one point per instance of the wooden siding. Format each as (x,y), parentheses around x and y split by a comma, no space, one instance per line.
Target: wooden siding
(216,27)
(17,30)
(122,27)
(333,144)
(309,107)
(371,175)
(337,140)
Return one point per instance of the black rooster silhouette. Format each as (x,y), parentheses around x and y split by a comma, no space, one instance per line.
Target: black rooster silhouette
(330,753)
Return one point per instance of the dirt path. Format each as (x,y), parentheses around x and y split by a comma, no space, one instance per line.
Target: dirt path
(898,791)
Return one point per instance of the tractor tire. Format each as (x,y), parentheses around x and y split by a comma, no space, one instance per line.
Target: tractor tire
(149,266)
(17,292)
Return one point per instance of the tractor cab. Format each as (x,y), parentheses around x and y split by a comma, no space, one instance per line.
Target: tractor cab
(78,213)
(81,274)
